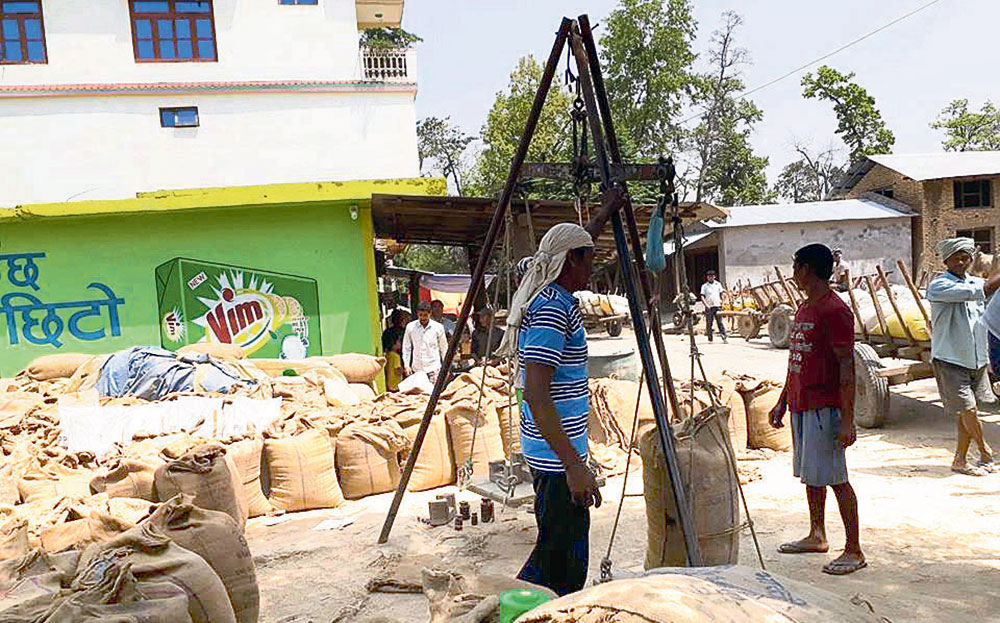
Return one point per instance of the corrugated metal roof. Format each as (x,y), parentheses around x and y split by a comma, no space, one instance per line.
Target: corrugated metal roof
(921,167)
(690,239)
(810,212)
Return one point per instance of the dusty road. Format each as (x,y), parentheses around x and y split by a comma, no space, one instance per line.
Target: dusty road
(931,537)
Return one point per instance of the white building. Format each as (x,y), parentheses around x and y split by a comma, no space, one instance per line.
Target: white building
(103,99)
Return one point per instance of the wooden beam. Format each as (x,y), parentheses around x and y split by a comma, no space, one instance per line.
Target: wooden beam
(788,291)
(855,308)
(916,295)
(878,308)
(895,305)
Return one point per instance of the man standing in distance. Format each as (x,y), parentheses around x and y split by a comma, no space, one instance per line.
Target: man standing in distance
(959,347)
(819,393)
(711,296)
(437,315)
(424,344)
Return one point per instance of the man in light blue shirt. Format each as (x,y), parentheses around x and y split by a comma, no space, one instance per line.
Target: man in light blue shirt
(959,348)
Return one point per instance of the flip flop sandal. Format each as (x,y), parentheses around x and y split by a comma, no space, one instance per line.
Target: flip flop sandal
(970,470)
(798,548)
(843,568)
(990,466)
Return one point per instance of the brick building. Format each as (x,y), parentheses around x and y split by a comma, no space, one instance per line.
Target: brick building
(951,193)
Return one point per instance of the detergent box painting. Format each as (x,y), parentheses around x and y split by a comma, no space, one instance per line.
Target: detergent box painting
(268,314)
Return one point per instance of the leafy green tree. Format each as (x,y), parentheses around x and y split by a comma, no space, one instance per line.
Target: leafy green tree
(647,58)
(859,122)
(811,177)
(967,130)
(440,147)
(387,38)
(434,259)
(726,170)
(500,135)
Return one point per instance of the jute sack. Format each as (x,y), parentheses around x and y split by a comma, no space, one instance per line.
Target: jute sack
(302,472)
(62,366)
(368,458)
(54,481)
(618,398)
(8,484)
(219,541)
(29,584)
(205,474)
(356,367)
(509,416)
(725,594)
(97,528)
(334,386)
(15,405)
(706,462)
(127,478)
(435,466)
(474,437)
(154,557)
(213,349)
(363,391)
(760,398)
(106,591)
(247,455)
(14,538)
(87,375)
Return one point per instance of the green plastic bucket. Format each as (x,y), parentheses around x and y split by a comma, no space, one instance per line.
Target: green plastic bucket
(515,602)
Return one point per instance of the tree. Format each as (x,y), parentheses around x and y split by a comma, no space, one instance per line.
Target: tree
(726,170)
(500,135)
(440,146)
(647,58)
(387,38)
(969,131)
(859,122)
(811,177)
(434,258)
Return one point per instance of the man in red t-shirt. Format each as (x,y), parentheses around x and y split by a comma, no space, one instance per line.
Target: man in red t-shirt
(819,394)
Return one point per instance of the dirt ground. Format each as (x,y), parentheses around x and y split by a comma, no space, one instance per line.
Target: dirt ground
(930,536)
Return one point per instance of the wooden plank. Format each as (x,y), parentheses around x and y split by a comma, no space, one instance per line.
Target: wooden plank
(854,308)
(781,280)
(905,374)
(895,305)
(916,295)
(878,308)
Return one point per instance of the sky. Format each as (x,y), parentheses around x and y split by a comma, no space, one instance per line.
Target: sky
(913,69)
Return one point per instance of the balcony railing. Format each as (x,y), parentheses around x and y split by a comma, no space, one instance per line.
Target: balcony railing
(388,65)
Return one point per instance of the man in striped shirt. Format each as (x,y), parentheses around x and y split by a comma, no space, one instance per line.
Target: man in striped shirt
(552,350)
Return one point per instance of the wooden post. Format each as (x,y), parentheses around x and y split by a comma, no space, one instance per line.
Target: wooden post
(788,291)
(916,295)
(895,306)
(856,309)
(878,309)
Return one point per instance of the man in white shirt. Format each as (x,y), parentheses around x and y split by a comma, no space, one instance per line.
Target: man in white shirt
(424,344)
(841,270)
(711,296)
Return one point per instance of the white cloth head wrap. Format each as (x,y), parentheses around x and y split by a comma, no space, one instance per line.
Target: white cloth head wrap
(545,267)
(950,246)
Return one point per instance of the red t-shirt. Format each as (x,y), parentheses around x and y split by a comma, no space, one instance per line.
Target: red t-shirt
(813,369)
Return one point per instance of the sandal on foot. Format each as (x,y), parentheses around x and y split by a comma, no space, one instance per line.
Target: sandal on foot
(843,568)
(970,470)
(798,547)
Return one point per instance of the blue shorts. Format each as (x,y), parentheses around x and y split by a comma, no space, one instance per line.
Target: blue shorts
(817,457)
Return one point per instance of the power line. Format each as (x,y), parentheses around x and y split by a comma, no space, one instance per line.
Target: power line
(746,94)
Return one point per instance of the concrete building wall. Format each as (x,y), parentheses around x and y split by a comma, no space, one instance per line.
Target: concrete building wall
(751,253)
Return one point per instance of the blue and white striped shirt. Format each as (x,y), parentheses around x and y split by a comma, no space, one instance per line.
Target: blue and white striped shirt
(552,334)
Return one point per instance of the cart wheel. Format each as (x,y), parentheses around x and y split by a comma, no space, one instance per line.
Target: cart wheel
(615,328)
(678,320)
(748,326)
(779,326)
(871,396)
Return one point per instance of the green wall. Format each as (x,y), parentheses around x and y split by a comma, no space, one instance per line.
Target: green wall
(318,241)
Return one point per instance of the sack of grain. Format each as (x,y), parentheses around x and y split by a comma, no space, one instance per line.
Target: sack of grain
(760,397)
(247,455)
(363,391)
(368,458)
(435,466)
(129,510)
(509,416)
(8,485)
(76,534)
(302,472)
(618,400)
(30,583)
(15,405)
(475,437)
(219,541)
(127,478)
(213,349)
(154,558)
(276,368)
(62,366)
(106,591)
(706,463)
(54,481)
(205,474)
(356,367)
(334,386)
(14,538)
(731,594)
